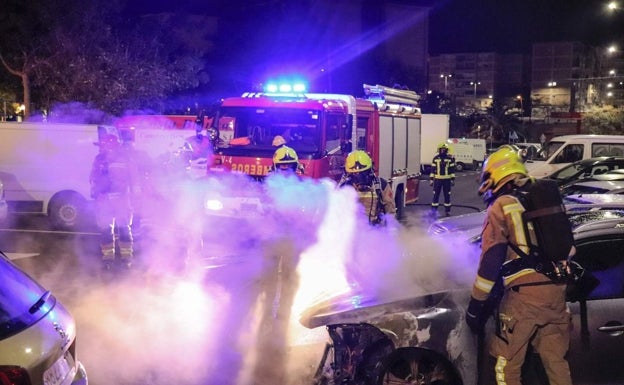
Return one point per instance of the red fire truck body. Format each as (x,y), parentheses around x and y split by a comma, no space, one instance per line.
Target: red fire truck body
(323,129)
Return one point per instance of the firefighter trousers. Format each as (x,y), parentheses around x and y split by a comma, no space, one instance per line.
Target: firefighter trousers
(114,219)
(535,315)
(444,186)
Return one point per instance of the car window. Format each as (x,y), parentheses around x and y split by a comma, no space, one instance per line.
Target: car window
(605,260)
(570,153)
(607,149)
(22,300)
(577,189)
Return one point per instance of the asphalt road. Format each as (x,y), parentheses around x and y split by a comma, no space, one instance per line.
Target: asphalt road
(134,324)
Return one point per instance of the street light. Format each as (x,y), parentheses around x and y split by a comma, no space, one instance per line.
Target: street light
(446,76)
(519,97)
(613,6)
(474,86)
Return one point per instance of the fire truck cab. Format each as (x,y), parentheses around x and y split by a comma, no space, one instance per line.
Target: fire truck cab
(323,129)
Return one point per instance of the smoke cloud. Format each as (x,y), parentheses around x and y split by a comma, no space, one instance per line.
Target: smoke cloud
(217,290)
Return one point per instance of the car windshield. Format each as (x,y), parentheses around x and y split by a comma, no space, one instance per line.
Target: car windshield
(22,300)
(263,128)
(572,171)
(549,149)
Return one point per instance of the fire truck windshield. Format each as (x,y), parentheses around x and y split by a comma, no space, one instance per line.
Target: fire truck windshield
(254,128)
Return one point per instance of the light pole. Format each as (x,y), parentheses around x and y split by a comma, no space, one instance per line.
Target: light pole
(551,85)
(519,97)
(446,76)
(474,88)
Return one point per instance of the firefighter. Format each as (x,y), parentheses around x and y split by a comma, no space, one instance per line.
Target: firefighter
(112,180)
(286,160)
(442,178)
(533,309)
(374,193)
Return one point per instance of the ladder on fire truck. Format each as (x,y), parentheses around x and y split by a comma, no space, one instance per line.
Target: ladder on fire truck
(388,98)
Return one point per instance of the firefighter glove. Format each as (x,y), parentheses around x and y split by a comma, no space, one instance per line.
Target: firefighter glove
(475,316)
(430,182)
(452,182)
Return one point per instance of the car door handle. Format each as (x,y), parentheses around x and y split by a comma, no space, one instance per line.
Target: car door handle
(611,328)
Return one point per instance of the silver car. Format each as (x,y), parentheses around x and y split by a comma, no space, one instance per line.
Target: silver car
(423,338)
(37,334)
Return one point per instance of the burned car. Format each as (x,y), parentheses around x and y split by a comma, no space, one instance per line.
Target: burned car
(423,338)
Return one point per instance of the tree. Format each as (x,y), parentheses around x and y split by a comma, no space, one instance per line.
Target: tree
(604,120)
(91,52)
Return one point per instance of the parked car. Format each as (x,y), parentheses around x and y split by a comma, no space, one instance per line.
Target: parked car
(423,338)
(560,151)
(37,334)
(594,187)
(587,168)
(469,225)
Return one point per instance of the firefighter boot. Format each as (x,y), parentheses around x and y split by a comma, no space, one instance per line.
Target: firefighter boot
(126,253)
(108,255)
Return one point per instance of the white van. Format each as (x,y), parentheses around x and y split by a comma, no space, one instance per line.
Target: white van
(468,153)
(563,150)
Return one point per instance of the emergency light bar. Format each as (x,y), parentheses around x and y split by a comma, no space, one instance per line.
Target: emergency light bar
(284,88)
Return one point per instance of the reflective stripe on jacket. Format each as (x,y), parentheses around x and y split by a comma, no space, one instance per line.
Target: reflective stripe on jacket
(442,167)
(503,225)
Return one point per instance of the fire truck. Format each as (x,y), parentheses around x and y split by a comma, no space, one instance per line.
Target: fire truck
(323,129)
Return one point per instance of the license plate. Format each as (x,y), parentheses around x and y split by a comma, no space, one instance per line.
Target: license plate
(59,371)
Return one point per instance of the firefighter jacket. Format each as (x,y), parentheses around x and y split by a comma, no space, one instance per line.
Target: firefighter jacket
(115,172)
(503,225)
(442,167)
(376,199)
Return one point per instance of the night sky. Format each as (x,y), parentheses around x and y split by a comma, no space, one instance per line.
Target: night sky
(507,26)
(465,25)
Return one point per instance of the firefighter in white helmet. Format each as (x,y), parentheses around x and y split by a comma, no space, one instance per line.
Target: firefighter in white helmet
(375,194)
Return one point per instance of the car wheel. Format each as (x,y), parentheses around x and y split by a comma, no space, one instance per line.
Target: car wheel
(417,366)
(459,166)
(67,210)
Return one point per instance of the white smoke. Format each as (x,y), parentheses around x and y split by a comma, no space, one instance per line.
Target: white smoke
(161,323)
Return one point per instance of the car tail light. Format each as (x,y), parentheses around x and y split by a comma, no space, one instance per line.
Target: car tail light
(14,375)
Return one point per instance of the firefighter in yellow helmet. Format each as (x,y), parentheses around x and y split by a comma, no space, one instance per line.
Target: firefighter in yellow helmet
(442,178)
(374,193)
(285,159)
(533,308)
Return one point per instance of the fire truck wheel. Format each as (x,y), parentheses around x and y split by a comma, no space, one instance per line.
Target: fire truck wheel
(67,210)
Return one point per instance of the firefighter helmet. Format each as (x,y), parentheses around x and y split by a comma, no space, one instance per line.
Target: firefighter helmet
(502,163)
(285,158)
(443,146)
(358,161)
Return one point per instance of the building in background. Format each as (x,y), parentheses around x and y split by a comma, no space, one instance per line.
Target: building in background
(558,80)
(472,80)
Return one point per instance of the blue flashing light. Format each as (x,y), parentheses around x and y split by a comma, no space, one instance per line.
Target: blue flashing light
(285,87)
(299,87)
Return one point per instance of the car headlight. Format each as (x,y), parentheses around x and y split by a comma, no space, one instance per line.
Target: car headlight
(213,204)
